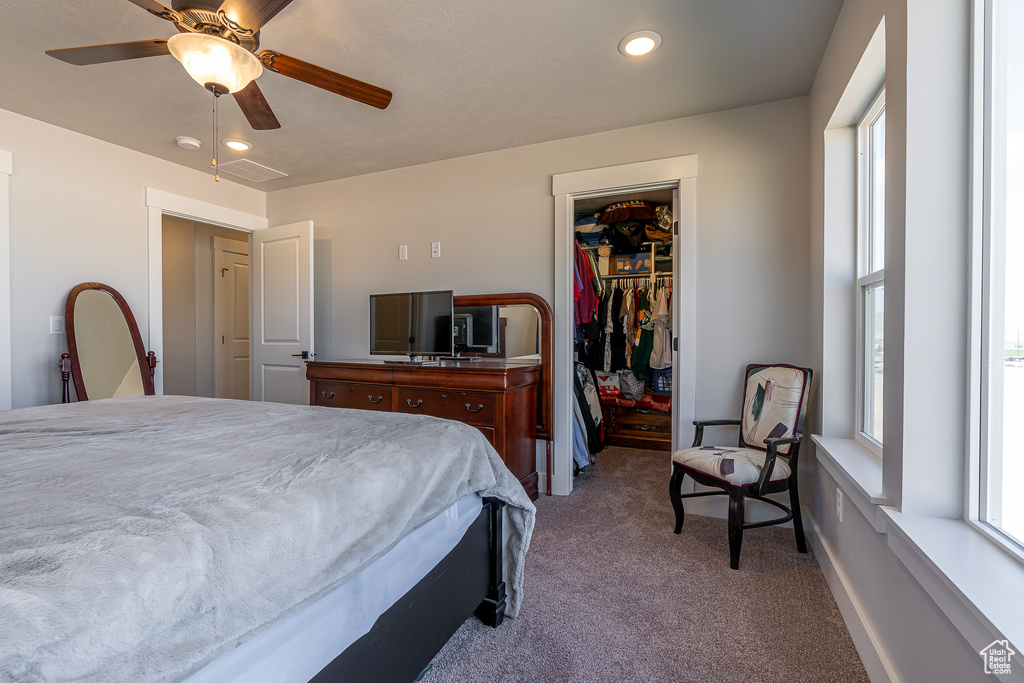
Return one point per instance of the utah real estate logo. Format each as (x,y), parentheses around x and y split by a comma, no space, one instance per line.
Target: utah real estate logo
(997,657)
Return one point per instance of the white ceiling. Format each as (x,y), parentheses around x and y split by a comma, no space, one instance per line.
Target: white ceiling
(467,76)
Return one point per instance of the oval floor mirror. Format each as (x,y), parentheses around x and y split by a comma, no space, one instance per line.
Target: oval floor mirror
(105,355)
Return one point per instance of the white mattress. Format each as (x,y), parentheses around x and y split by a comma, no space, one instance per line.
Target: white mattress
(298,646)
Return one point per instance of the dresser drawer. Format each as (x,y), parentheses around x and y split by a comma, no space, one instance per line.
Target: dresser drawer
(352,395)
(452,405)
(488,433)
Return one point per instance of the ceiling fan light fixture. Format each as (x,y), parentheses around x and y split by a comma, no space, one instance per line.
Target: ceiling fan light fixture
(215,63)
(639,43)
(237,144)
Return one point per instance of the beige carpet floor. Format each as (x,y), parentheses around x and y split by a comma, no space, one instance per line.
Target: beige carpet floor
(613,595)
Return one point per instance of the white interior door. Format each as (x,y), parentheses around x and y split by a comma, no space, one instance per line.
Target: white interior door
(282,262)
(231,319)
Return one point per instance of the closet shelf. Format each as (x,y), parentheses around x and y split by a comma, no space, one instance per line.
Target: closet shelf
(643,244)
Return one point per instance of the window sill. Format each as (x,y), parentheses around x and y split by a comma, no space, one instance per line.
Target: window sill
(857,471)
(977,585)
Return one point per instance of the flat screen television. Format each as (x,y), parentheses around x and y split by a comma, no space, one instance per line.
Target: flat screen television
(412,324)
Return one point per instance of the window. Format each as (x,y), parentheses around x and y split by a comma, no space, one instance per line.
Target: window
(871,273)
(1002,303)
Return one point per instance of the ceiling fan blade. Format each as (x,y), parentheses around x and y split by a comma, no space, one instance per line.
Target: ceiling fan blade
(250,14)
(114,52)
(256,109)
(160,10)
(328,80)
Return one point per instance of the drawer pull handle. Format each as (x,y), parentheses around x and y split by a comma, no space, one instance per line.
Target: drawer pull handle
(379,399)
(326,395)
(645,428)
(410,404)
(645,411)
(478,408)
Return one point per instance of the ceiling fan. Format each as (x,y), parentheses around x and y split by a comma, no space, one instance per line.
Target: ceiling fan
(218,44)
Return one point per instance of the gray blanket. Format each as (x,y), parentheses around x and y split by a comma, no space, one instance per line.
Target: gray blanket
(141,537)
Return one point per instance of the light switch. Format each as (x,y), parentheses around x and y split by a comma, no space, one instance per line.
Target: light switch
(56,324)
(403,252)
(435,250)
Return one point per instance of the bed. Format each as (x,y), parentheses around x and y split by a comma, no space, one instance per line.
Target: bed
(172,538)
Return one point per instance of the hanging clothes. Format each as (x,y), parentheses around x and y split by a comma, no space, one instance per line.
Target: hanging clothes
(627,312)
(661,350)
(617,342)
(645,340)
(590,407)
(580,452)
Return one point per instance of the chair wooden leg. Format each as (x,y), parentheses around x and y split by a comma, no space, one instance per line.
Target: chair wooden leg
(735,527)
(674,488)
(798,524)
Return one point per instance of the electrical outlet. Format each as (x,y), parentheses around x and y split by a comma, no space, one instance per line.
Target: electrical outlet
(403,252)
(839,505)
(435,250)
(56,324)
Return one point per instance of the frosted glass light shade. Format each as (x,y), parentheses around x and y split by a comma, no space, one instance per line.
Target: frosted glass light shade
(209,59)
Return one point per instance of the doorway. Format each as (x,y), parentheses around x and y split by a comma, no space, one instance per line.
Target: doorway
(585,190)
(206,306)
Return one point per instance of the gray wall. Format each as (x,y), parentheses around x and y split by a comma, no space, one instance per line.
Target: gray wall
(925,299)
(179,276)
(78,214)
(494,216)
(188,304)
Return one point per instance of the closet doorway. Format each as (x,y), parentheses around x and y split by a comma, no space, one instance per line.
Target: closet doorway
(642,259)
(206,307)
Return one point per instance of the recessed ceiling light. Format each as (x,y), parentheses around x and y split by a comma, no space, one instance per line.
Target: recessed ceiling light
(237,145)
(639,43)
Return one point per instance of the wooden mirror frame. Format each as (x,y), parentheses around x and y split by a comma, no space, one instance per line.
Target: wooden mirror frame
(544,420)
(145,360)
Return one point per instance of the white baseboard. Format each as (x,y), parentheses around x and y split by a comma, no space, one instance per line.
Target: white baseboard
(865,639)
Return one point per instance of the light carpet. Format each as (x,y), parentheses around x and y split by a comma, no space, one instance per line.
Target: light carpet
(611,594)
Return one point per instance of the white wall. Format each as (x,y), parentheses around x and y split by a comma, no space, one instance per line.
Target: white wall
(926,54)
(78,213)
(494,216)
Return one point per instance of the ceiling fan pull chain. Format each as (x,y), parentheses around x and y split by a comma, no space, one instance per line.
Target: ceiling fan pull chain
(216,131)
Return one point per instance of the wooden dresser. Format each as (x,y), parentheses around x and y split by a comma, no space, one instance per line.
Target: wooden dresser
(498,397)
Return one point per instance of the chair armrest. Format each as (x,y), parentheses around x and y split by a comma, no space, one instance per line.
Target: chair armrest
(783,440)
(698,434)
(715,423)
(771,454)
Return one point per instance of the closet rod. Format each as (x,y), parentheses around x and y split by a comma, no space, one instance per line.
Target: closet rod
(636,275)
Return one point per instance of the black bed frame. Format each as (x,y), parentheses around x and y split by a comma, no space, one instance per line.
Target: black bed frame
(405,639)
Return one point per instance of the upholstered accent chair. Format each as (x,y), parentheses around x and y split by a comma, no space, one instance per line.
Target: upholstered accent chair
(774,403)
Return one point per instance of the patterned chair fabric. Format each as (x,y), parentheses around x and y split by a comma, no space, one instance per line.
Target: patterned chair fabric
(774,398)
(737,466)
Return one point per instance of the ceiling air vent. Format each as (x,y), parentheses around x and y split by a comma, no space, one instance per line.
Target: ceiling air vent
(251,171)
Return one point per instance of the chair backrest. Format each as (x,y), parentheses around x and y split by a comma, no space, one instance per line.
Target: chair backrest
(774,402)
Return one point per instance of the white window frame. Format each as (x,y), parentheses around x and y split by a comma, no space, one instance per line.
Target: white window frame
(988,276)
(865,276)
